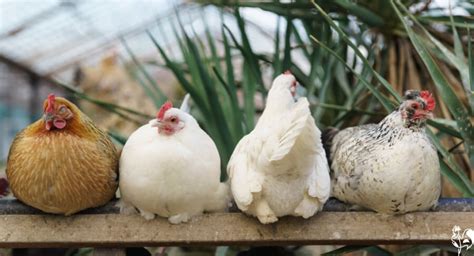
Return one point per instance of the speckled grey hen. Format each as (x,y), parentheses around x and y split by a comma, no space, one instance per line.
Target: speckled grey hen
(390,167)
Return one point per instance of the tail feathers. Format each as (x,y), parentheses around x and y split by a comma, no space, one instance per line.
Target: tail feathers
(308,207)
(327,137)
(221,201)
(185,106)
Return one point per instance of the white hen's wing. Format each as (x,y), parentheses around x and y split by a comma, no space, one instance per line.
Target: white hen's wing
(320,182)
(294,124)
(242,172)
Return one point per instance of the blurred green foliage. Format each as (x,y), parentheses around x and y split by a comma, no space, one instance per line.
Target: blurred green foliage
(354,59)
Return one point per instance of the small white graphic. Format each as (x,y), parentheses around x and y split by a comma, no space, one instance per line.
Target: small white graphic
(464,240)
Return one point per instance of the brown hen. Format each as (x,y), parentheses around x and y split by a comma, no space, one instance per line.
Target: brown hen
(62,163)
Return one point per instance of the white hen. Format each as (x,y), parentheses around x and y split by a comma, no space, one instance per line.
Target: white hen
(171,167)
(280,168)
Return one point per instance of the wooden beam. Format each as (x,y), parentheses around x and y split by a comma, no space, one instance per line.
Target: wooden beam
(108,252)
(116,230)
(23,226)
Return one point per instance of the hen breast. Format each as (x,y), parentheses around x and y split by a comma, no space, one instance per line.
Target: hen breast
(170,175)
(61,172)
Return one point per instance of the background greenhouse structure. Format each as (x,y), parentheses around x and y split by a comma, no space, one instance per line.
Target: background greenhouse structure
(121,60)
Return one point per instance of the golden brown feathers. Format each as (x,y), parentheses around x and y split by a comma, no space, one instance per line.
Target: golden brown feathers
(63,170)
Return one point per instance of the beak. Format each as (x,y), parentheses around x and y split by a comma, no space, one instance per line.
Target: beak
(293,88)
(48,117)
(422,115)
(48,120)
(155,123)
(299,91)
(426,115)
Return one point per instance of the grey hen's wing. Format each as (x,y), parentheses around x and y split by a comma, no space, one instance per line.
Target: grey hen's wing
(350,150)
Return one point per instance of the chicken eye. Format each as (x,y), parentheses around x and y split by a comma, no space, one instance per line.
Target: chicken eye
(414,106)
(62,110)
(173,119)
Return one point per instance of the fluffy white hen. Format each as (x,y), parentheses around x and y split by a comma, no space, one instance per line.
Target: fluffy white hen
(280,168)
(171,167)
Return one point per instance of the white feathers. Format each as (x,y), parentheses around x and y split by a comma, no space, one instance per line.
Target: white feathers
(175,176)
(293,124)
(280,168)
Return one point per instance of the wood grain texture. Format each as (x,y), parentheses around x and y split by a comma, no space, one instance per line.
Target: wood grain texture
(109,252)
(115,230)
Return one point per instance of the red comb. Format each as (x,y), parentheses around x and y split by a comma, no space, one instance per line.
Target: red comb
(288,72)
(428,98)
(51,100)
(163,110)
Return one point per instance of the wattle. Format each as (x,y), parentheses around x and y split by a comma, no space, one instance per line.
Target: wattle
(59,123)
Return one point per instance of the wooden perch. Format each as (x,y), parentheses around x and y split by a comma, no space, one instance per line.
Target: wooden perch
(22,226)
